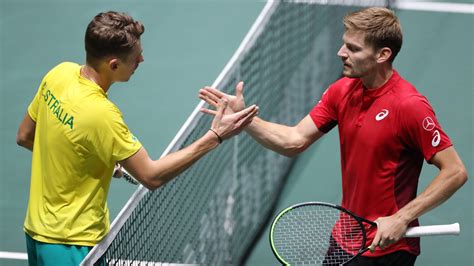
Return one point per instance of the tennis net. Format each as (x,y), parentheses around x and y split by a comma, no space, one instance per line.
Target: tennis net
(213,213)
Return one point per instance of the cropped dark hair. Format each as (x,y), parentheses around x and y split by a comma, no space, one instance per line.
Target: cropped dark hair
(111,33)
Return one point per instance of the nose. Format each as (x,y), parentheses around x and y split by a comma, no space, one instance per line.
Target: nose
(342,52)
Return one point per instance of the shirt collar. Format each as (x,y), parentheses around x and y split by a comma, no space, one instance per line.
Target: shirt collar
(375,93)
(89,83)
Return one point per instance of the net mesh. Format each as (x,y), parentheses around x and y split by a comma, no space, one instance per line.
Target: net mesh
(212,213)
(315,234)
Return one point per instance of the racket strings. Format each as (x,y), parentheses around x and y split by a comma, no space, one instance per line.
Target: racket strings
(346,240)
(312,236)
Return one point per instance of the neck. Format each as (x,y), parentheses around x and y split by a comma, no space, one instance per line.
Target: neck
(378,78)
(94,75)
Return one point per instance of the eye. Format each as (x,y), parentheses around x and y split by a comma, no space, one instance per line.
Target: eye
(353,48)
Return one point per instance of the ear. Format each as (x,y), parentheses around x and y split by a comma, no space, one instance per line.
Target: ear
(384,55)
(113,63)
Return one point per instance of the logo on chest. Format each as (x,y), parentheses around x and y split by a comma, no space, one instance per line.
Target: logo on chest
(381,115)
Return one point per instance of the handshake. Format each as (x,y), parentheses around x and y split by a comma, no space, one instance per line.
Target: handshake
(230,114)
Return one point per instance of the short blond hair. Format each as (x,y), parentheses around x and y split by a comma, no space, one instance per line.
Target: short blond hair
(380,25)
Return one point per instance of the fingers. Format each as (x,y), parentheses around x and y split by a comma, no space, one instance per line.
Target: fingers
(382,237)
(389,230)
(239,89)
(117,171)
(221,108)
(211,95)
(245,116)
(213,91)
(375,242)
(246,121)
(227,125)
(208,111)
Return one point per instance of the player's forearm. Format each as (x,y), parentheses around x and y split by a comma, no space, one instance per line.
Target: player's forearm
(25,136)
(170,166)
(439,190)
(27,144)
(25,140)
(280,138)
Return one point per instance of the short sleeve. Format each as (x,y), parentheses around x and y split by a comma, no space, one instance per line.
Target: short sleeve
(34,105)
(114,141)
(420,128)
(324,113)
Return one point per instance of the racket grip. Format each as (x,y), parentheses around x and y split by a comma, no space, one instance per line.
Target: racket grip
(433,230)
(129,178)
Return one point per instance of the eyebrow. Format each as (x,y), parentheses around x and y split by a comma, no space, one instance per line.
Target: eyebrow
(351,44)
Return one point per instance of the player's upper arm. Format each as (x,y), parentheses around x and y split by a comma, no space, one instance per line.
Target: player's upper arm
(140,166)
(420,129)
(449,162)
(307,132)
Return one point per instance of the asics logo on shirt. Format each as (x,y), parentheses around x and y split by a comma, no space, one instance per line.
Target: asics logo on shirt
(381,115)
(436,138)
(428,124)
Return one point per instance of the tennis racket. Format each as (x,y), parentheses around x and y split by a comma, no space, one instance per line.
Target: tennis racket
(130,179)
(318,233)
(124,175)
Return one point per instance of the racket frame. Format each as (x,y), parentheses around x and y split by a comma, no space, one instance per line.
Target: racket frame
(359,220)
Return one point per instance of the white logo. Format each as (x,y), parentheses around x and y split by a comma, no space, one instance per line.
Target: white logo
(428,124)
(436,138)
(381,115)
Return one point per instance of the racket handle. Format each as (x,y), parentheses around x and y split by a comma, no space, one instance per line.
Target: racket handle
(433,230)
(129,178)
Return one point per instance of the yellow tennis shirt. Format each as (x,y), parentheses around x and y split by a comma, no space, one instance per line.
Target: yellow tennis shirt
(79,137)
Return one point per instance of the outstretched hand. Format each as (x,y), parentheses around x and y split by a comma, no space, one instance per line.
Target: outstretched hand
(212,96)
(227,124)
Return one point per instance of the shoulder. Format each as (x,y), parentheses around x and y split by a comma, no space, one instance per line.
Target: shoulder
(101,111)
(406,96)
(66,66)
(404,89)
(345,83)
(101,106)
(98,118)
(343,87)
(413,109)
(62,69)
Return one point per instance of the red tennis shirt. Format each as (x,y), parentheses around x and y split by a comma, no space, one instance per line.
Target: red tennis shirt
(384,135)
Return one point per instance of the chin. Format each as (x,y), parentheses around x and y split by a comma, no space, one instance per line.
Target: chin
(350,74)
(347,74)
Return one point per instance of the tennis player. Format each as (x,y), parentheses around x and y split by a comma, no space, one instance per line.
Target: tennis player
(77,136)
(386,129)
